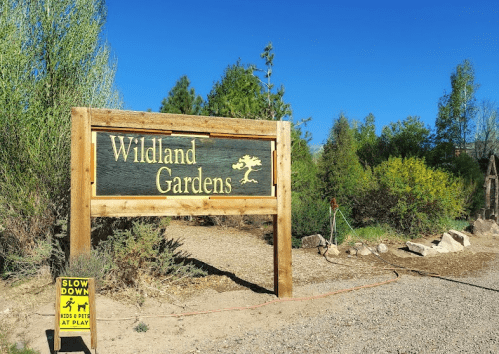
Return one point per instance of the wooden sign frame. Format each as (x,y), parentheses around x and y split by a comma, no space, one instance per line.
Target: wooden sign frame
(93,317)
(85,204)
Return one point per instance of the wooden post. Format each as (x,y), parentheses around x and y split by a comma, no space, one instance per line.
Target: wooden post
(93,313)
(283,281)
(57,334)
(81,141)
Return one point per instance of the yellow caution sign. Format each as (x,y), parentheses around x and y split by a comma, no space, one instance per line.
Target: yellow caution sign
(74,305)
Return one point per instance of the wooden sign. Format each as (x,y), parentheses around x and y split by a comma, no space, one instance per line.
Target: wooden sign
(75,308)
(152,164)
(156,164)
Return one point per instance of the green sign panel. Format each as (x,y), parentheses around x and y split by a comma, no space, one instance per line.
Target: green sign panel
(130,164)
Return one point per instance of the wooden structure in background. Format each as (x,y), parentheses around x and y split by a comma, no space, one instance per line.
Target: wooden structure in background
(86,204)
(491,191)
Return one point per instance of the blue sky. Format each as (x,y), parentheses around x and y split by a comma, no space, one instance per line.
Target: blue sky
(391,58)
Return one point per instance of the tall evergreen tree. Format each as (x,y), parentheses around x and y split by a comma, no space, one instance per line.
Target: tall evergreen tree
(456,110)
(367,142)
(242,94)
(340,172)
(276,108)
(238,94)
(182,100)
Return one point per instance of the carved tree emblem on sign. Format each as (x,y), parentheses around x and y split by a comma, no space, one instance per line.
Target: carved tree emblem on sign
(247,162)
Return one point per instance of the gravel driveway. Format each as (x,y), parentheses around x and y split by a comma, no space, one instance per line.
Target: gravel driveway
(413,315)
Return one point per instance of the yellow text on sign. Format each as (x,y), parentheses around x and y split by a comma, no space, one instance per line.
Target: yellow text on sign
(74,308)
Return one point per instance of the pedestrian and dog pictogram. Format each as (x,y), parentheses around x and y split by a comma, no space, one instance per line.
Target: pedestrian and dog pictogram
(75,308)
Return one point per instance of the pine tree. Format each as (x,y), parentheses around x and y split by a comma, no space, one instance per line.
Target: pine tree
(340,171)
(182,100)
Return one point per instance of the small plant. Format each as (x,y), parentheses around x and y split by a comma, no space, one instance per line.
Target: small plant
(164,222)
(19,348)
(141,327)
(96,265)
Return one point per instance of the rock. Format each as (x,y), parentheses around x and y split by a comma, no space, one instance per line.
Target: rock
(460,237)
(421,249)
(313,241)
(352,251)
(450,244)
(440,249)
(382,248)
(363,251)
(485,227)
(332,251)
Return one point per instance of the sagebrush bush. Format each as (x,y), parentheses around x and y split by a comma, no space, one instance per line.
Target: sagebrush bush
(96,265)
(143,250)
(411,197)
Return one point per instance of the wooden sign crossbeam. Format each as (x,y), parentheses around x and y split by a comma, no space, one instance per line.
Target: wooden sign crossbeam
(142,136)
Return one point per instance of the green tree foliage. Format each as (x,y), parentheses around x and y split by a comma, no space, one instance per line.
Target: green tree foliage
(241,94)
(52,58)
(468,169)
(368,144)
(410,197)
(456,110)
(407,138)
(309,209)
(238,94)
(182,100)
(276,108)
(340,171)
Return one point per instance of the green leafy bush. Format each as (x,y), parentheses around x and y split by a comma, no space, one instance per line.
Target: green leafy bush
(410,197)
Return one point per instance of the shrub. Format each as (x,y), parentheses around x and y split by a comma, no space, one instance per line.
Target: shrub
(143,250)
(410,197)
(141,327)
(96,265)
(309,215)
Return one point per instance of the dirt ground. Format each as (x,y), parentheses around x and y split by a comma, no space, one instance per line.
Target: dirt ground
(240,267)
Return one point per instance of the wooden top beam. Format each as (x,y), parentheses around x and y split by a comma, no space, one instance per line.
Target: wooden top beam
(165,121)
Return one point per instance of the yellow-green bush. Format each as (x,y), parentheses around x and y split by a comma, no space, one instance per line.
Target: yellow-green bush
(410,196)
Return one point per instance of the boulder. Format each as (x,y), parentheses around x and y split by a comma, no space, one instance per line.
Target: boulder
(450,244)
(332,251)
(460,237)
(313,241)
(382,248)
(352,251)
(440,249)
(421,249)
(363,251)
(483,227)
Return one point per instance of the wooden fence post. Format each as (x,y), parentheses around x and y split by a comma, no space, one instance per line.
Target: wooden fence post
(81,142)
(283,281)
